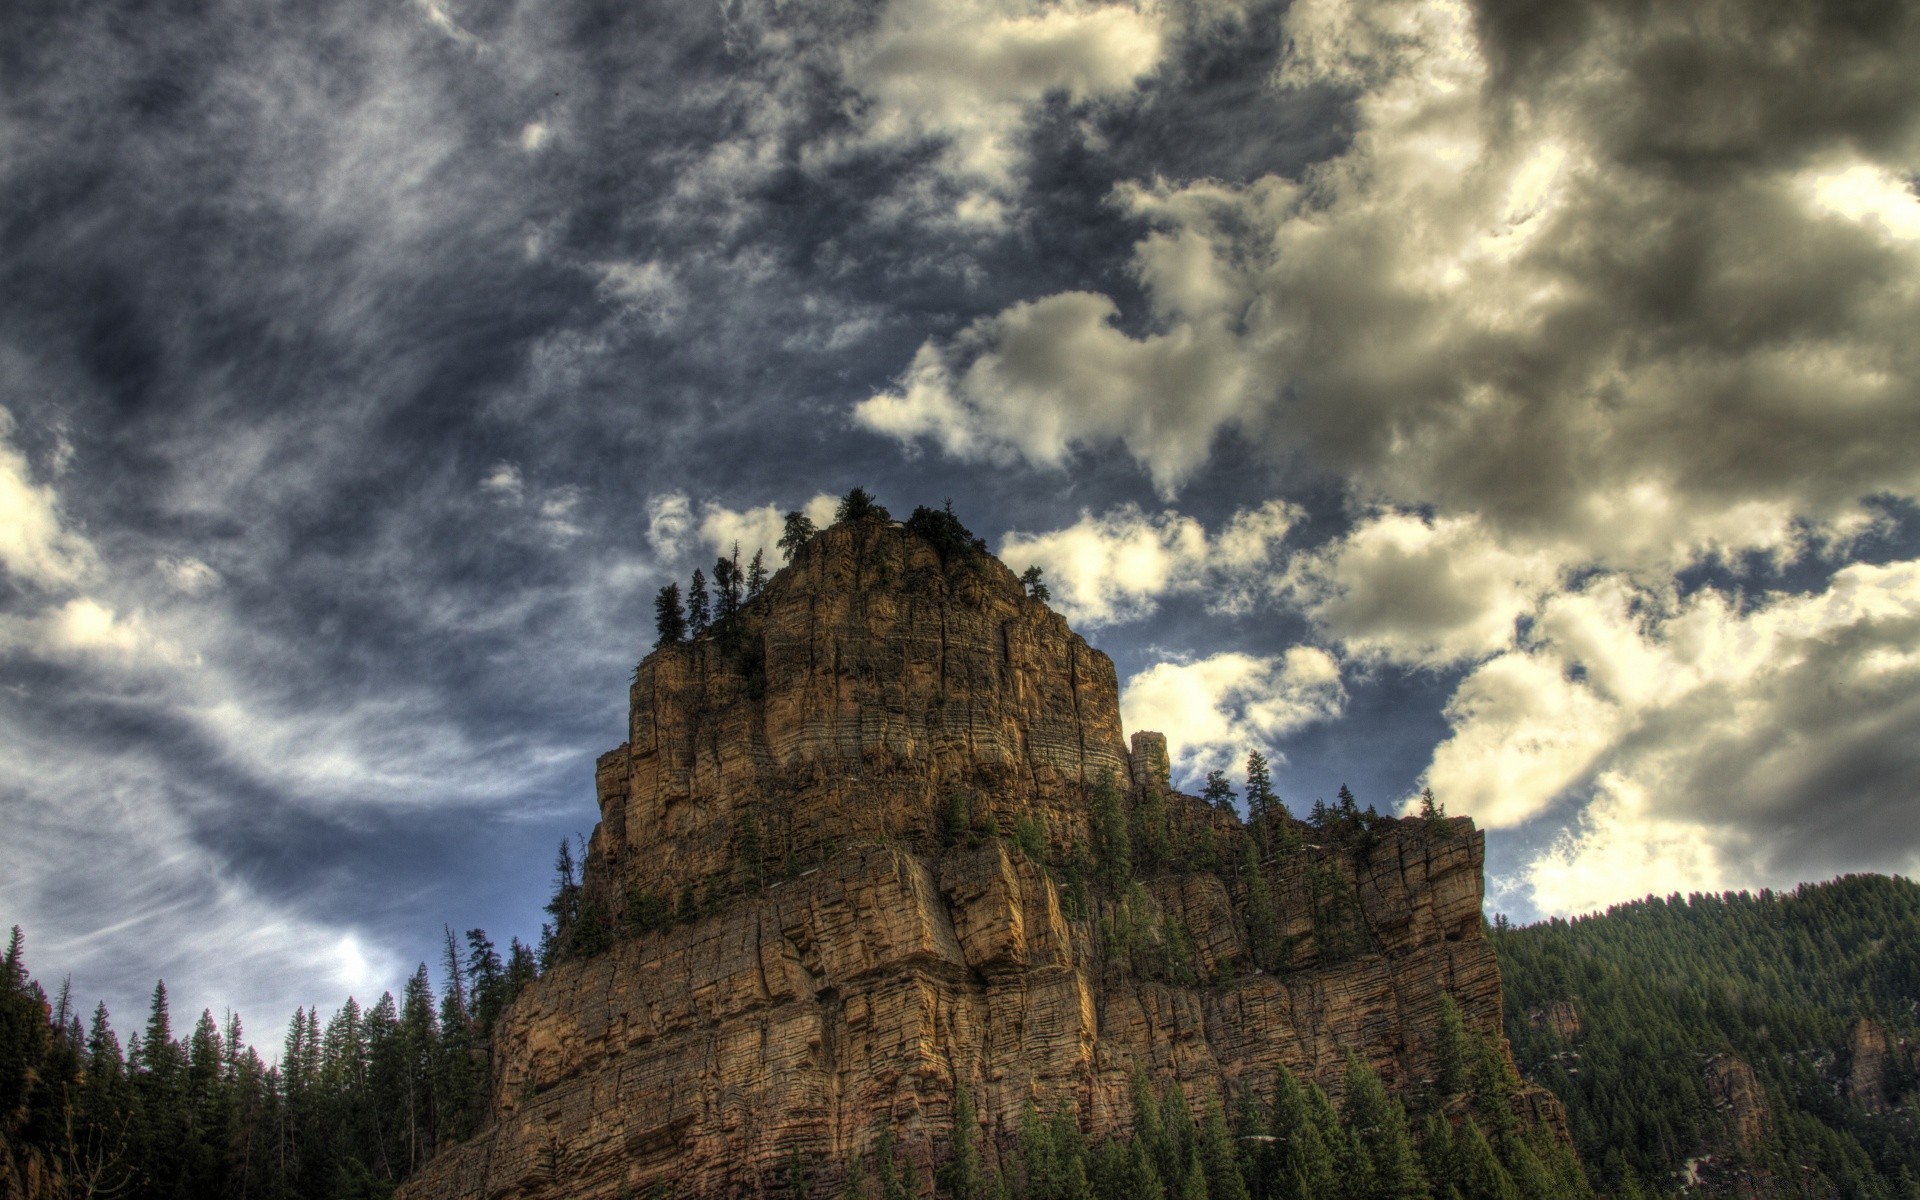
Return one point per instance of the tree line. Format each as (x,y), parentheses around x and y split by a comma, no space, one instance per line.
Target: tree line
(355,1103)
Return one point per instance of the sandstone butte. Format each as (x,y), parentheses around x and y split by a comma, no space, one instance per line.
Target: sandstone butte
(871,731)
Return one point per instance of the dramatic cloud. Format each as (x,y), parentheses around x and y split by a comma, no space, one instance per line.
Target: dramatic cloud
(1115,567)
(1514,298)
(1422,592)
(967,74)
(1764,742)
(1528,404)
(35,545)
(1215,709)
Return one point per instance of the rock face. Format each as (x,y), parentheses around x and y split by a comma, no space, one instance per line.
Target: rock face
(873,799)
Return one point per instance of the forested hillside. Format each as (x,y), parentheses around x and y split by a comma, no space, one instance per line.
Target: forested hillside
(1737,1044)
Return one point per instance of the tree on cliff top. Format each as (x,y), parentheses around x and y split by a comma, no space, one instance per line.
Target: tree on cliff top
(1033,578)
(669,620)
(799,532)
(858,505)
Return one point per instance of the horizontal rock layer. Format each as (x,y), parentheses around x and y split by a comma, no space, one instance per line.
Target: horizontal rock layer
(839,775)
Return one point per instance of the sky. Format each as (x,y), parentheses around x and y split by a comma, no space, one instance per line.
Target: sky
(1521,401)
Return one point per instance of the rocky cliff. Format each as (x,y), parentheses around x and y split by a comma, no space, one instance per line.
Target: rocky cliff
(857,850)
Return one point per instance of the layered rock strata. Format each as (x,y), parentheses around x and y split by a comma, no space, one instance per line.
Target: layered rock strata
(877,790)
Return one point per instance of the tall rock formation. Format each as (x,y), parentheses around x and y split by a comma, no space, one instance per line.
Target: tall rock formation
(860,848)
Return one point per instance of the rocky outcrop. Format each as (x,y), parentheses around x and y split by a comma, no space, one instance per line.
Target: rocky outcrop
(874,797)
(1559,1017)
(1871,1054)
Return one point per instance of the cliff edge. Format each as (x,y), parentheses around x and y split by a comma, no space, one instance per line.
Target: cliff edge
(860,846)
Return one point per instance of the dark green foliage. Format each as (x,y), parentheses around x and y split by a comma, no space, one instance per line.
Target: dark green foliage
(728,587)
(647,911)
(1777,979)
(757,574)
(960,1177)
(1219,793)
(669,620)
(1381,1164)
(859,505)
(1263,916)
(1112,837)
(798,532)
(1151,832)
(955,818)
(1035,580)
(699,605)
(1030,834)
(954,541)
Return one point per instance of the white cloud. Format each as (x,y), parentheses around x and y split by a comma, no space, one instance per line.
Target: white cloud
(1400,588)
(1504,302)
(1749,745)
(535,135)
(85,628)
(189,575)
(504,480)
(36,547)
(966,72)
(548,512)
(1044,377)
(1115,567)
(648,289)
(175,911)
(669,522)
(758,529)
(1213,710)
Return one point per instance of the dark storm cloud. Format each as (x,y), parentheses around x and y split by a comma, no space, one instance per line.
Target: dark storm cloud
(344,352)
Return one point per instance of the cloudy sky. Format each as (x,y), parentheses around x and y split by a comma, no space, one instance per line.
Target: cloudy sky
(1519,400)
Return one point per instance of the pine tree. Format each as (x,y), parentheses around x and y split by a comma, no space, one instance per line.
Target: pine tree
(757,574)
(1036,584)
(859,505)
(798,532)
(726,588)
(1217,1154)
(1477,1174)
(1301,1166)
(1384,1151)
(699,605)
(959,1177)
(668,619)
(1112,840)
(1219,793)
(1149,1131)
(1263,916)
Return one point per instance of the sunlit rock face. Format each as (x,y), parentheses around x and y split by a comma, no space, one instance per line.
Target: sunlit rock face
(838,791)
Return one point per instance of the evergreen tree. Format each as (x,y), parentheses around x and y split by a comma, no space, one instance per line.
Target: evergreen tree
(1217,1154)
(669,621)
(798,532)
(1384,1155)
(699,605)
(1263,915)
(1453,1051)
(1302,1164)
(757,574)
(1477,1174)
(726,588)
(1219,793)
(1112,840)
(1036,584)
(959,1177)
(859,505)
